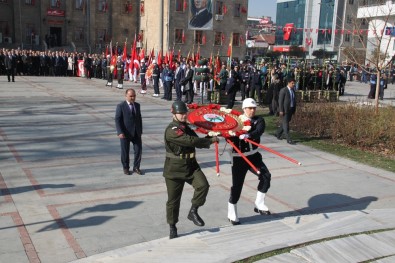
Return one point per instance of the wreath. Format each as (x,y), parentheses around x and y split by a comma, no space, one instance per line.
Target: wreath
(214,120)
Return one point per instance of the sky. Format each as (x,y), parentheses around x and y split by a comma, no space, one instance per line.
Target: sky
(259,8)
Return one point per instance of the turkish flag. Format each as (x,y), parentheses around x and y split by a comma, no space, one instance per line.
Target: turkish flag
(287,29)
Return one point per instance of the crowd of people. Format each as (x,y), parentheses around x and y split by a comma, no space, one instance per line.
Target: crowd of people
(249,78)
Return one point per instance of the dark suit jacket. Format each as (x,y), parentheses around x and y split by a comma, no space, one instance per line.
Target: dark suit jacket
(126,123)
(284,101)
(188,79)
(9,63)
(201,19)
(179,76)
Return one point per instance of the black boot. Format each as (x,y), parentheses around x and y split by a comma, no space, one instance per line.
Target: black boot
(194,217)
(173,232)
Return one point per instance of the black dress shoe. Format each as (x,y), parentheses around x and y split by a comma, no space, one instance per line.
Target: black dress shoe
(290,142)
(137,171)
(278,137)
(256,210)
(235,223)
(173,232)
(126,171)
(194,217)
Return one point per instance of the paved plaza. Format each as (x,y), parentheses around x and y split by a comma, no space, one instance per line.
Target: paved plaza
(64,196)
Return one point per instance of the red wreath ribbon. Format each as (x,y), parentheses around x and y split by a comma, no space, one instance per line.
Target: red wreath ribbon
(213,120)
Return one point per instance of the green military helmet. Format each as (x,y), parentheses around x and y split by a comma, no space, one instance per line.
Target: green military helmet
(179,107)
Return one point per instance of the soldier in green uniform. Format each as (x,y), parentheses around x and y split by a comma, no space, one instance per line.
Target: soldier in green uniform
(181,166)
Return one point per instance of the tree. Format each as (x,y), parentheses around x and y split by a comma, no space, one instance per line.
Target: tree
(296,51)
(378,41)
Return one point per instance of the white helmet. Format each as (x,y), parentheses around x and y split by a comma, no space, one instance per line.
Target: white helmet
(249,103)
(142,61)
(154,61)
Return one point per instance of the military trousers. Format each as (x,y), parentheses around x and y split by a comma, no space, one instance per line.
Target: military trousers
(239,170)
(174,192)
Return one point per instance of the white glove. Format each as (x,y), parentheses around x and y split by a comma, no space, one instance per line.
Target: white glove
(244,136)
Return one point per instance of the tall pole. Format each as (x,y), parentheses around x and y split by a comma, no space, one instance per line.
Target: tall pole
(160,24)
(20,23)
(323,57)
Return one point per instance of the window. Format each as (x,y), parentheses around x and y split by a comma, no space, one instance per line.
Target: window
(180,5)
(347,38)
(179,36)
(237,10)
(102,6)
(4,28)
(218,38)
(219,8)
(79,34)
(142,9)
(56,3)
(198,37)
(349,19)
(140,37)
(79,4)
(360,38)
(101,35)
(236,39)
(351,2)
(363,21)
(29,2)
(127,7)
(29,31)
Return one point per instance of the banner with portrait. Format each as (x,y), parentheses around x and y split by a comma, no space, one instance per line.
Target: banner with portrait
(200,15)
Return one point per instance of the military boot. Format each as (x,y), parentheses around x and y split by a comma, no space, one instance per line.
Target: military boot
(260,206)
(194,216)
(173,232)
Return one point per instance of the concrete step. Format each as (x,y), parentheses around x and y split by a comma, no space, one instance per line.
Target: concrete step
(231,243)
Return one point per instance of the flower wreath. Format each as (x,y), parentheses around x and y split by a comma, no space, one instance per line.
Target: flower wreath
(214,120)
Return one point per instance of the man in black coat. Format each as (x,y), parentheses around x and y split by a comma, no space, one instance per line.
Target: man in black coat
(178,76)
(129,126)
(10,63)
(188,84)
(232,86)
(287,107)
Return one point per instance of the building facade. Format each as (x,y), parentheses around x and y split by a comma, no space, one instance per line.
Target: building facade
(380,17)
(88,25)
(330,25)
(188,26)
(83,25)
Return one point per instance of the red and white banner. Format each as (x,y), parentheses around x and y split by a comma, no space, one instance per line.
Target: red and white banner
(55,12)
(81,69)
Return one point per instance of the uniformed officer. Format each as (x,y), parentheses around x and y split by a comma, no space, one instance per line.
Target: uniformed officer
(120,68)
(181,166)
(240,166)
(143,70)
(155,78)
(110,69)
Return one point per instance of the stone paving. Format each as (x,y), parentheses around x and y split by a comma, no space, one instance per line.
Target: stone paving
(64,197)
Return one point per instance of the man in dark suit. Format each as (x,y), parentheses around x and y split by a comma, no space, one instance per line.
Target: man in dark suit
(129,126)
(10,64)
(179,75)
(287,107)
(188,85)
(202,17)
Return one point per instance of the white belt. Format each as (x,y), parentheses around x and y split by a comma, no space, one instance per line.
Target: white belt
(245,153)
